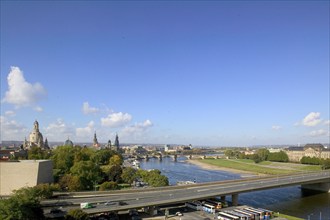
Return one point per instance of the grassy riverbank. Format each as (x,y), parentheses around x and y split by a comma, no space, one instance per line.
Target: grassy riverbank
(288,217)
(265,167)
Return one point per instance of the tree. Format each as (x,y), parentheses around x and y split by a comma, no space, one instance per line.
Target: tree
(229,153)
(24,204)
(256,158)
(76,214)
(116,160)
(63,158)
(70,183)
(88,173)
(128,175)
(45,190)
(108,186)
(326,164)
(263,154)
(83,154)
(113,173)
(35,153)
(278,157)
(103,156)
(153,177)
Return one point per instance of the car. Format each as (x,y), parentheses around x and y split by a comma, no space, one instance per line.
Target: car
(122,203)
(178,214)
(109,203)
(55,211)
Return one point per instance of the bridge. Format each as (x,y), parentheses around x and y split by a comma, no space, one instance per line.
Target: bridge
(153,197)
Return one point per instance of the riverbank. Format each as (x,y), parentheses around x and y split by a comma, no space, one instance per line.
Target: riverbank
(262,168)
(207,166)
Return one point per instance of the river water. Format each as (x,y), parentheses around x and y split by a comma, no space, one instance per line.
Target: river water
(287,200)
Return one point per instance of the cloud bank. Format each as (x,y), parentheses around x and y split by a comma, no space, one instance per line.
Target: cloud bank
(115,120)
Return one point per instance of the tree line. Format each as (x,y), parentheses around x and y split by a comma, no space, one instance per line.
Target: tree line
(261,155)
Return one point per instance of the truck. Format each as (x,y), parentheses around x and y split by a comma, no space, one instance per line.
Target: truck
(86,205)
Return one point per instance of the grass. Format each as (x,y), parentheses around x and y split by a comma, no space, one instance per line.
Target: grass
(246,166)
(288,217)
(264,167)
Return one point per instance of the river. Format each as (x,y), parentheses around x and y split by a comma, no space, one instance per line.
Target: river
(287,200)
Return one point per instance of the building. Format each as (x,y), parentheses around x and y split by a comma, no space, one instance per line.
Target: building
(309,150)
(68,142)
(35,138)
(24,173)
(95,142)
(116,146)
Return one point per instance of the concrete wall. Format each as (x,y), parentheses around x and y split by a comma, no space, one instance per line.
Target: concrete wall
(15,175)
(322,187)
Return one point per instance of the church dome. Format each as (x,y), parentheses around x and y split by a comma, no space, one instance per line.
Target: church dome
(68,143)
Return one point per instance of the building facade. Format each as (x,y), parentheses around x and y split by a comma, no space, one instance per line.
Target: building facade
(309,150)
(24,173)
(35,138)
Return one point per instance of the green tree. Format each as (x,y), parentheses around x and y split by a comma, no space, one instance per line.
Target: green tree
(24,204)
(45,190)
(108,186)
(256,158)
(88,173)
(113,173)
(263,154)
(229,153)
(63,158)
(278,157)
(71,183)
(116,160)
(326,164)
(76,214)
(35,153)
(83,154)
(153,177)
(128,175)
(103,156)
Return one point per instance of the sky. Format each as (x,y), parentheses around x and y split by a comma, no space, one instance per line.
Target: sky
(206,73)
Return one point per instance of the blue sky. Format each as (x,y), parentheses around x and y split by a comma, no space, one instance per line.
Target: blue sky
(218,73)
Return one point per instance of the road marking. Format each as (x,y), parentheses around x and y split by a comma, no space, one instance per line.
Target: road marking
(201,190)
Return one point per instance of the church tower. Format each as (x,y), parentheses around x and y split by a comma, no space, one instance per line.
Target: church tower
(117,143)
(95,142)
(36,138)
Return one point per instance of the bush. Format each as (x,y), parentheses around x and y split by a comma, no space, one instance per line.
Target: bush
(76,214)
(108,186)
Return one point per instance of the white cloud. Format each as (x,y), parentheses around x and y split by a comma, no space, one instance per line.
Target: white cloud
(10,113)
(87,109)
(276,127)
(312,119)
(58,131)
(319,133)
(38,109)
(116,120)
(327,122)
(138,127)
(12,130)
(86,131)
(20,92)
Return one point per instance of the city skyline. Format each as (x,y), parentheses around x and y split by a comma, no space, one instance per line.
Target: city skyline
(209,73)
